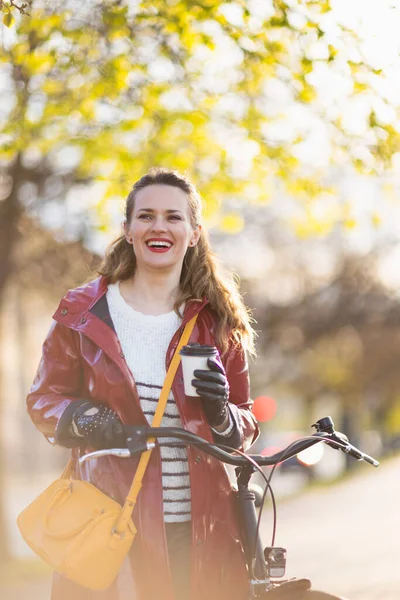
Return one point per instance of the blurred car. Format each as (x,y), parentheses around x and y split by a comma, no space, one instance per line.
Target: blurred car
(320,462)
(305,462)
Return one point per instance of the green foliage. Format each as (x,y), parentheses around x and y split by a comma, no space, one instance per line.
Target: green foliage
(8,19)
(172,82)
(9,7)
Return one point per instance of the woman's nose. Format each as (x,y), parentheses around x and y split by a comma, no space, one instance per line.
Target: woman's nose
(159,224)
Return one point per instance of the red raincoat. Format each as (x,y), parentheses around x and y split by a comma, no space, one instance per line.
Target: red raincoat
(82,358)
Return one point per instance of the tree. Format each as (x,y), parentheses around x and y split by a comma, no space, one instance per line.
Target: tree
(102,90)
(340,339)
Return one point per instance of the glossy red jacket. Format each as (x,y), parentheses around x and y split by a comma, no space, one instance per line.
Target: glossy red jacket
(82,358)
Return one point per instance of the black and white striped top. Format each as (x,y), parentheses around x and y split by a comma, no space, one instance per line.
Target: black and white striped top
(144,340)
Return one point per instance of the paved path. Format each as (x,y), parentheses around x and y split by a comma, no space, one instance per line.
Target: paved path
(36,590)
(346,538)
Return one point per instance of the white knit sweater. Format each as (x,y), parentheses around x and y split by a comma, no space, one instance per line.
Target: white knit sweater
(144,340)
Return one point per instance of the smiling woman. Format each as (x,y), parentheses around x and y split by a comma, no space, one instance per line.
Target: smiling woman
(103,366)
(166,199)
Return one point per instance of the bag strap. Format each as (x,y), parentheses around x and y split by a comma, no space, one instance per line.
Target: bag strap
(127,509)
(67,473)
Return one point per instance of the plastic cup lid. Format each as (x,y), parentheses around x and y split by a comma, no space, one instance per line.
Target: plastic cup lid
(198,350)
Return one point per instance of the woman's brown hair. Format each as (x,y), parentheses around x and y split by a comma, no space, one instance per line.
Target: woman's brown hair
(201,275)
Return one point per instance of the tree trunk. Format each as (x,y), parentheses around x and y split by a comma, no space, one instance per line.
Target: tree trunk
(10,211)
(28,454)
(4,538)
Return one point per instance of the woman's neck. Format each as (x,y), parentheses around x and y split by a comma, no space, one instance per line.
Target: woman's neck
(151,295)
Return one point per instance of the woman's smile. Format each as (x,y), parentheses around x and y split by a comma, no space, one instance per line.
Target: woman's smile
(159,245)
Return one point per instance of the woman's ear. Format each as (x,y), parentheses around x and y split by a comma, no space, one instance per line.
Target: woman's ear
(196,236)
(126,232)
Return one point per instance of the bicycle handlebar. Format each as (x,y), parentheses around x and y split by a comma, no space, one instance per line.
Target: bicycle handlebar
(137,443)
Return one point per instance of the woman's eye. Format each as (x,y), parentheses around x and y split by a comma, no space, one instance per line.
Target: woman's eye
(145,217)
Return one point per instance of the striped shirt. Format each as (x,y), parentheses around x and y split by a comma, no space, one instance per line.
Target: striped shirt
(144,340)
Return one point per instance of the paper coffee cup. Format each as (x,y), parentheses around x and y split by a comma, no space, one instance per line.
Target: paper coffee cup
(194,356)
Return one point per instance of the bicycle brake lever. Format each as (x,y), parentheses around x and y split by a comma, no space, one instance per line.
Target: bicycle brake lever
(348,448)
(339,437)
(136,439)
(136,443)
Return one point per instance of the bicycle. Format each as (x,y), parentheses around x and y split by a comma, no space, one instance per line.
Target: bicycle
(266,567)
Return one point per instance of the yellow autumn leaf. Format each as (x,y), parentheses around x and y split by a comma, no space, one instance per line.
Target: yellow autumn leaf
(39,63)
(8,19)
(349,223)
(53,86)
(376,219)
(393,417)
(308,227)
(232,223)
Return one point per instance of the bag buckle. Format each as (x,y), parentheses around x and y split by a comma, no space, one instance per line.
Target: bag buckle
(115,532)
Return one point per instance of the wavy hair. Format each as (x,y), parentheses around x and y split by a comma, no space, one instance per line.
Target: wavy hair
(201,274)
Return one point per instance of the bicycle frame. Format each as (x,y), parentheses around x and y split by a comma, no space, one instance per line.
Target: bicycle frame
(261,575)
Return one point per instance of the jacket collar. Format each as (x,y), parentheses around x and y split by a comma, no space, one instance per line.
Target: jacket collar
(84,309)
(79,301)
(82,298)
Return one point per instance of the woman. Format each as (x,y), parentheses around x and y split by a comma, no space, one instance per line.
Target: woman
(103,365)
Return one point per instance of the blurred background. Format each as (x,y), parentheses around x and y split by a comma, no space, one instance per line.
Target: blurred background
(286,115)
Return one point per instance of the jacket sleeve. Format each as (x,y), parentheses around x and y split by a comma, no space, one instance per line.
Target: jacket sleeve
(54,394)
(245,430)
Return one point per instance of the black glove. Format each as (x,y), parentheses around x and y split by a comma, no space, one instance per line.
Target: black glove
(99,426)
(213,389)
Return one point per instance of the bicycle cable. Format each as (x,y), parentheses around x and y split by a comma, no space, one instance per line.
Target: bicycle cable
(268,479)
(268,487)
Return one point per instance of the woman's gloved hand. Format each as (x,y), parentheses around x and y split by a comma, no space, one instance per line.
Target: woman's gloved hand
(98,425)
(213,389)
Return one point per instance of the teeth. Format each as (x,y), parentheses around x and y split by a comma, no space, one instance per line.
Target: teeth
(159,244)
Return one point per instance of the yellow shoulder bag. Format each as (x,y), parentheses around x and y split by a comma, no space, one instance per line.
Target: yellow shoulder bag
(78,530)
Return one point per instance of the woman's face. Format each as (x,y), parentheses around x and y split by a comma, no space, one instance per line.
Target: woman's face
(160,230)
